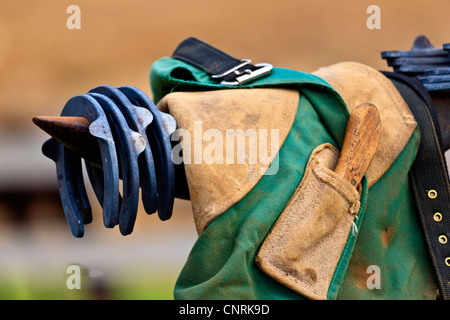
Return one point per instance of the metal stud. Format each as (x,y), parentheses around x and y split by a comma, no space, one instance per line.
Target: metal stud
(447,261)
(437,217)
(443,239)
(432,194)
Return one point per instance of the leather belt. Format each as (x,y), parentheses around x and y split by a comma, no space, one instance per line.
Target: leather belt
(429,179)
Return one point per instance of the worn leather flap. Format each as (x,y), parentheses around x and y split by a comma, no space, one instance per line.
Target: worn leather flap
(220,173)
(305,244)
(358,83)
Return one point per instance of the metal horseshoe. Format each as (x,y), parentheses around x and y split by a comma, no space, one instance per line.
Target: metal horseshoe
(138,119)
(161,128)
(129,145)
(69,170)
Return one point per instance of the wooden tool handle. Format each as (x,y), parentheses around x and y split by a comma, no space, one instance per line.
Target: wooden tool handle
(361,140)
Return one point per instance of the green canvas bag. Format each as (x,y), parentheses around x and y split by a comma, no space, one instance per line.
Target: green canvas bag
(386,233)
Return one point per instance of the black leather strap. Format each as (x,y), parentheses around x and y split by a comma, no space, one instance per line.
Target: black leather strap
(429,179)
(207,58)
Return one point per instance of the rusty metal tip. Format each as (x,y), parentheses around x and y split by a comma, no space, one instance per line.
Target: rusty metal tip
(62,125)
(36,120)
(39,120)
(69,121)
(73,133)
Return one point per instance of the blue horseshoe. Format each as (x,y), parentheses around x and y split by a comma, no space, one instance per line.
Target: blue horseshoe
(75,203)
(159,137)
(138,119)
(129,145)
(69,171)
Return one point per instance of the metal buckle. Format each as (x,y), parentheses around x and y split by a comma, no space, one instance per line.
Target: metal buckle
(223,75)
(247,75)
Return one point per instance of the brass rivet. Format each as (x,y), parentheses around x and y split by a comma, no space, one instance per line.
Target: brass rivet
(437,217)
(432,194)
(443,239)
(447,261)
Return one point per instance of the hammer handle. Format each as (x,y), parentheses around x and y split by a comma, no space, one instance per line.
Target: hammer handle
(361,140)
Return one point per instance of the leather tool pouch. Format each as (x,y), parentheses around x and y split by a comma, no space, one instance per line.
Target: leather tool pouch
(308,246)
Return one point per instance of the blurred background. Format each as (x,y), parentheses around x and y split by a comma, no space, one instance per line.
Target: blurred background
(43,64)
